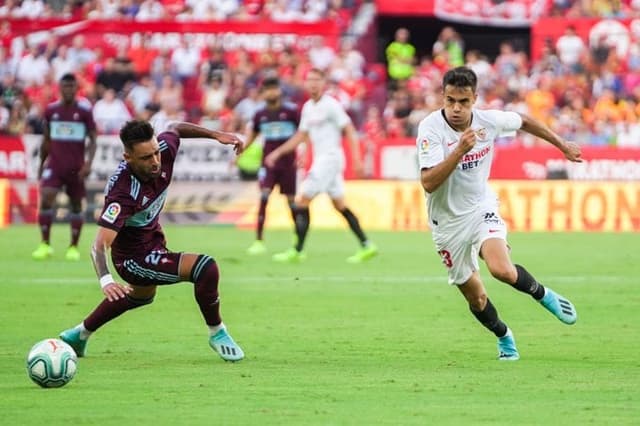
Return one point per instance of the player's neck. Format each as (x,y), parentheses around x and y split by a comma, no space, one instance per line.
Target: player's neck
(461,128)
(274,106)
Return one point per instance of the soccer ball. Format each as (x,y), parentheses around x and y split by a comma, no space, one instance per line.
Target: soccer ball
(51,363)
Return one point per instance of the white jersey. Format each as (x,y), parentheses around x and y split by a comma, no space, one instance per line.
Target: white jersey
(324,121)
(467,188)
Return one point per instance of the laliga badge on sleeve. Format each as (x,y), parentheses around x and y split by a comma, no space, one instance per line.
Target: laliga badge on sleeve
(111,212)
(424,145)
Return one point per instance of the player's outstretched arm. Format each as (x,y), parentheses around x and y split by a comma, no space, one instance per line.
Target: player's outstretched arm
(99,256)
(190,130)
(356,155)
(570,150)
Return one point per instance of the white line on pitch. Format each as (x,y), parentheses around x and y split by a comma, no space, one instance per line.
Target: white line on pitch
(335,278)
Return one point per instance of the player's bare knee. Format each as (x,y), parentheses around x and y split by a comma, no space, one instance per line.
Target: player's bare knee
(477,302)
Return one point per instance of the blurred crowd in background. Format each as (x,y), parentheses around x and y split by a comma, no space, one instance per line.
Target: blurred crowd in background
(588,93)
(180,10)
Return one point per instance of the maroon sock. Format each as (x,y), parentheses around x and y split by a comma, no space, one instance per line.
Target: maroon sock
(76,226)
(205,278)
(45,218)
(106,311)
(262,215)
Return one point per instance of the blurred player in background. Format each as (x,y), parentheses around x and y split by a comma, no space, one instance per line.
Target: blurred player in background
(65,161)
(323,121)
(455,149)
(276,123)
(129,228)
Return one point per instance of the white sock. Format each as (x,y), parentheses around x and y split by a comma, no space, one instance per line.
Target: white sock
(84,333)
(213,329)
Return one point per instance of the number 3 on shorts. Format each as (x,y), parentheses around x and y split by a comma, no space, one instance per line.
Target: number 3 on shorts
(446,258)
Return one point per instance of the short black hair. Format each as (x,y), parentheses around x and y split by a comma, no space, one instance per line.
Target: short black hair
(134,132)
(270,82)
(68,78)
(317,71)
(460,77)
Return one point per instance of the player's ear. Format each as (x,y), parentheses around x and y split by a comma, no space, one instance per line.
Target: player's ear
(126,156)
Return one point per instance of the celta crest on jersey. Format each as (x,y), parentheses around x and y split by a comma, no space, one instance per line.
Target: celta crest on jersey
(146,216)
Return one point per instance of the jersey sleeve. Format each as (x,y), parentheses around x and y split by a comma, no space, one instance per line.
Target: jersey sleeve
(304,119)
(89,121)
(506,121)
(340,116)
(117,209)
(429,146)
(169,143)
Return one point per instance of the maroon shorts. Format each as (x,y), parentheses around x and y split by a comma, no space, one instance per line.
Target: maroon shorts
(284,177)
(70,180)
(158,267)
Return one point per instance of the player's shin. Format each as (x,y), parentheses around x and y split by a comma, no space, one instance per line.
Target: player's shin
(205,277)
(527,284)
(302,226)
(45,219)
(76,222)
(106,311)
(262,215)
(354,224)
(489,318)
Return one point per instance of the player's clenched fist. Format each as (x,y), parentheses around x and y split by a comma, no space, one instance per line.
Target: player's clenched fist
(467,140)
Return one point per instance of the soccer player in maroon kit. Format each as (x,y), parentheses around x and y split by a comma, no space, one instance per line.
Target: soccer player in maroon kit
(65,161)
(129,228)
(276,122)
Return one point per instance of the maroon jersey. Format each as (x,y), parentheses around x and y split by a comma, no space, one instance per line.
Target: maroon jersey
(132,207)
(69,126)
(276,127)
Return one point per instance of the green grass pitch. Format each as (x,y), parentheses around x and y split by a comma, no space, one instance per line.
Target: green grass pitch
(328,343)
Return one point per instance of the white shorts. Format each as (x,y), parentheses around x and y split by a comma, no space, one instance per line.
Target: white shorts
(459,245)
(324,176)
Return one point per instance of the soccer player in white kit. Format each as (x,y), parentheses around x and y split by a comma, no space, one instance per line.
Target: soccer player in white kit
(323,121)
(455,149)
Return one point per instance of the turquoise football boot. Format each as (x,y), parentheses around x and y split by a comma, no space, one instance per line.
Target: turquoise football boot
(559,306)
(225,346)
(507,347)
(72,338)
